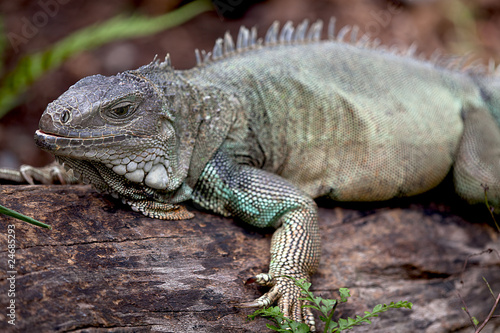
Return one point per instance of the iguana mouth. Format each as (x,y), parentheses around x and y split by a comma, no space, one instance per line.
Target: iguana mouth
(53,142)
(151,166)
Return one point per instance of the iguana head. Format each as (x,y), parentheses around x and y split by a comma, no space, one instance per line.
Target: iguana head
(143,135)
(121,134)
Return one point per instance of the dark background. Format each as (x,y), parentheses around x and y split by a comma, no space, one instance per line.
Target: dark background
(451,26)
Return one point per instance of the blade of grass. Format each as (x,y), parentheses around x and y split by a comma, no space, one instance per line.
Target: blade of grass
(19,216)
(34,65)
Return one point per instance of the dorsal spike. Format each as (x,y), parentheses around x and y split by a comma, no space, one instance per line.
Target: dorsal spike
(364,41)
(253,36)
(422,56)
(354,34)
(198,57)
(300,33)
(475,66)
(318,30)
(383,48)
(217,51)
(375,43)
(167,62)
(467,58)
(314,33)
(242,42)
(206,56)
(272,34)
(228,43)
(331,28)
(435,56)
(410,51)
(343,32)
(286,32)
(448,62)
(491,66)
(394,49)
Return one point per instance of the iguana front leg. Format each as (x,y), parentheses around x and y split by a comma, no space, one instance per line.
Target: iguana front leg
(267,200)
(49,174)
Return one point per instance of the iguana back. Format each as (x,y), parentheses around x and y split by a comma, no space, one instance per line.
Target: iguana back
(354,123)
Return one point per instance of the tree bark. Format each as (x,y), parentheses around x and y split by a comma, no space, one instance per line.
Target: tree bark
(105,268)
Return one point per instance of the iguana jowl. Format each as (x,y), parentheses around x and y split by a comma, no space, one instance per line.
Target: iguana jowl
(257,130)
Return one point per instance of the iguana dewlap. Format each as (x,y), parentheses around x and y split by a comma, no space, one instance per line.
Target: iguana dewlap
(257,130)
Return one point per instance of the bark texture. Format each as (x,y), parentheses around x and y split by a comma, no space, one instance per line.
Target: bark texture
(105,268)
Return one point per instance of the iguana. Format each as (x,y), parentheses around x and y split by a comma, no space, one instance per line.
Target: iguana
(258,129)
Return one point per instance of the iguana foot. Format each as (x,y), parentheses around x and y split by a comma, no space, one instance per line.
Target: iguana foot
(287,293)
(160,210)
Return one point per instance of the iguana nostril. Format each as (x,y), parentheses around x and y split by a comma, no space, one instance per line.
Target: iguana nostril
(65,116)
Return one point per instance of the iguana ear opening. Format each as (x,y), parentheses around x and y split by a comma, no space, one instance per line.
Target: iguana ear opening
(165,130)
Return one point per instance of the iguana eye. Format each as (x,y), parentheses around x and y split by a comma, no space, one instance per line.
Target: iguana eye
(65,116)
(121,111)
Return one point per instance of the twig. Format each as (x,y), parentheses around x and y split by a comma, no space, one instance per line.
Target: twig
(497,299)
(466,309)
(486,188)
(490,315)
(474,255)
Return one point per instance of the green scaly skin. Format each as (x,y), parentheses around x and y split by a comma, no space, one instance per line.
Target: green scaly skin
(258,130)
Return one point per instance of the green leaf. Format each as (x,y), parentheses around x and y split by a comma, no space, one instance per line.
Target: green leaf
(329,302)
(311,306)
(304,285)
(332,326)
(327,308)
(344,294)
(299,327)
(19,216)
(274,328)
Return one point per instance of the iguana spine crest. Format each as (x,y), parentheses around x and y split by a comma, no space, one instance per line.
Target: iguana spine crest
(247,40)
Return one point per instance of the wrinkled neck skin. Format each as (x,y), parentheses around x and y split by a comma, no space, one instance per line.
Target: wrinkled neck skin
(156,153)
(490,91)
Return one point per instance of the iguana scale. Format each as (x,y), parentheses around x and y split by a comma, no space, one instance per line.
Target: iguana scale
(258,129)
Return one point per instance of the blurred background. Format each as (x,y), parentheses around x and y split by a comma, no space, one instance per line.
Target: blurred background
(43,49)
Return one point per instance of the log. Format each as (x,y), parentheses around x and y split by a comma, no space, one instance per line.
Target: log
(106,268)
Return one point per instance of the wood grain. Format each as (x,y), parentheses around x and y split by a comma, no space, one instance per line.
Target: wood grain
(106,268)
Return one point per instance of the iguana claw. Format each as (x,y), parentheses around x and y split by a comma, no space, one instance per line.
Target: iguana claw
(287,294)
(160,210)
(263,279)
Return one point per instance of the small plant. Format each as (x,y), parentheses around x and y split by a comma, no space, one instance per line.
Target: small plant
(327,308)
(478,327)
(490,209)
